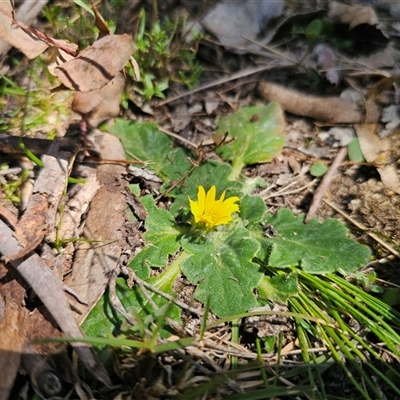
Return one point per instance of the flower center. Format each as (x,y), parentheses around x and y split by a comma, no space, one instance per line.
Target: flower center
(208,219)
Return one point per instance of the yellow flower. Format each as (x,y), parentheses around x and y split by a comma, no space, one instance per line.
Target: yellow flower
(212,212)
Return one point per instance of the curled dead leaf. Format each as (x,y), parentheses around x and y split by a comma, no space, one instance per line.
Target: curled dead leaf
(15,36)
(352,15)
(98,64)
(380,151)
(100,105)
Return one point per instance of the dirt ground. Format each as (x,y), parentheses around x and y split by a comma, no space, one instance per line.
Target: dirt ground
(355,194)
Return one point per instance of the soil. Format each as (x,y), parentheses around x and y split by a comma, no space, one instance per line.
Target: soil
(356,189)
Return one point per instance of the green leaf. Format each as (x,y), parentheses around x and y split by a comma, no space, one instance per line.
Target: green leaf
(314,30)
(278,288)
(221,266)
(163,282)
(103,320)
(144,141)
(392,296)
(317,248)
(84,5)
(354,151)
(162,238)
(256,135)
(318,169)
(252,209)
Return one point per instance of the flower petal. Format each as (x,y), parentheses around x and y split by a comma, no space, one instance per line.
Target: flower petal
(194,208)
(201,200)
(229,204)
(210,200)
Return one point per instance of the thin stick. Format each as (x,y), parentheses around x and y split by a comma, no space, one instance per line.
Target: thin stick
(116,302)
(175,136)
(240,74)
(283,192)
(319,193)
(364,228)
(141,282)
(143,285)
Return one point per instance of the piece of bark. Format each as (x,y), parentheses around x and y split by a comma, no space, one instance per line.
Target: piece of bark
(50,291)
(40,214)
(77,205)
(331,110)
(11,144)
(12,333)
(71,221)
(96,259)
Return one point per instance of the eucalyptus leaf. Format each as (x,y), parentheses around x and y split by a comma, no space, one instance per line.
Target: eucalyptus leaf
(318,248)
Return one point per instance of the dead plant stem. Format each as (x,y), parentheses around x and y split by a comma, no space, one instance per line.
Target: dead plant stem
(323,187)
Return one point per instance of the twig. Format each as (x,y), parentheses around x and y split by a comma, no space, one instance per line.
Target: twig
(319,193)
(238,75)
(273,51)
(180,304)
(116,302)
(143,284)
(283,192)
(364,228)
(51,42)
(174,135)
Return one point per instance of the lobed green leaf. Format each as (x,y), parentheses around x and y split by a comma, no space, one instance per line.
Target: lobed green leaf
(319,248)
(222,267)
(144,141)
(256,135)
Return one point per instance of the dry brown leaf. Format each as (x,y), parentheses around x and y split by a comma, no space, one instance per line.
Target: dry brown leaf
(31,229)
(98,64)
(352,15)
(15,36)
(50,290)
(13,335)
(56,58)
(100,105)
(100,22)
(382,152)
(96,259)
